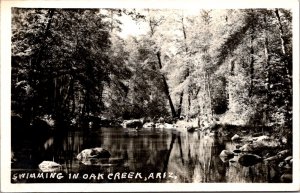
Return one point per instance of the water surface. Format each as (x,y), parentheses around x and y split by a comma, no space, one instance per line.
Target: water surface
(148,155)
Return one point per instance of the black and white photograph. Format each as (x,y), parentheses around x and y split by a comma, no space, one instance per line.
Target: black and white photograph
(150,96)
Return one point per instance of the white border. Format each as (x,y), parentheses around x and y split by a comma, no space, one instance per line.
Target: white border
(6,186)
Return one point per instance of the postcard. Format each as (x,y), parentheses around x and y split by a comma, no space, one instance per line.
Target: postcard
(144,96)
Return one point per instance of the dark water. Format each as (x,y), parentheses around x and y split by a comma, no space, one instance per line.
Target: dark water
(152,155)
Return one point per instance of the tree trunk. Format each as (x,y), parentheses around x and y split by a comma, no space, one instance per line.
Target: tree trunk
(283,42)
(209,96)
(289,64)
(167,92)
(187,73)
(251,62)
(288,68)
(180,105)
(266,70)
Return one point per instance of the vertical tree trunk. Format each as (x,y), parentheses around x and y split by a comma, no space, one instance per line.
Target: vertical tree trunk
(286,58)
(288,68)
(180,104)
(283,42)
(266,70)
(232,67)
(187,73)
(251,62)
(209,96)
(167,92)
(111,20)
(189,102)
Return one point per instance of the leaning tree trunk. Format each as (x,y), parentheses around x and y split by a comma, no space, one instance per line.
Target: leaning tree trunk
(166,87)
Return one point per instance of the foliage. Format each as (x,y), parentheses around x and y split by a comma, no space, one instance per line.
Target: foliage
(232,64)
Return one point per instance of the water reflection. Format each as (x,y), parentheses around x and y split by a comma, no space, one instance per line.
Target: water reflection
(191,157)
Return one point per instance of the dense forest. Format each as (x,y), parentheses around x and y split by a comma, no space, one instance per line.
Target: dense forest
(229,66)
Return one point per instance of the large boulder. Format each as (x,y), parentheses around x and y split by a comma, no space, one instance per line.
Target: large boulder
(93,153)
(135,123)
(50,166)
(249,159)
(169,126)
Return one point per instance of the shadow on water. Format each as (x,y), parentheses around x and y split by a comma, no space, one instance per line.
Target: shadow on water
(187,157)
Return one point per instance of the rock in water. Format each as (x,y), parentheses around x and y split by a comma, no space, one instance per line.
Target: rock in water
(235,137)
(227,153)
(287,178)
(190,129)
(273,158)
(261,138)
(169,126)
(249,159)
(49,166)
(132,123)
(283,153)
(97,152)
(246,147)
(149,125)
(237,151)
(287,159)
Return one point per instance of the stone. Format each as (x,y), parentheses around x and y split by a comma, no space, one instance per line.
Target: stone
(232,160)
(284,140)
(272,158)
(135,123)
(249,159)
(281,164)
(227,153)
(169,126)
(261,138)
(287,159)
(49,166)
(96,152)
(190,129)
(149,125)
(283,152)
(235,137)
(159,125)
(246,147)
(237,151)
(286,177)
